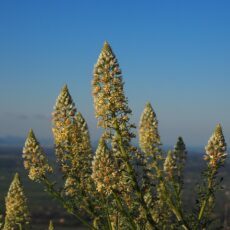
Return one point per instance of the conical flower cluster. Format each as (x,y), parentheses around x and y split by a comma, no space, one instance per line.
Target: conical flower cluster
(111,106)
(35,160)
(73,148)
(105,173)
(149,137)
(112,111)
(63,119)
(180,151)
(17,214)
(79,173)
(170,165)
(63,115)
(180,154)
(84,135)
(72,141)
(175,162)
(216,149)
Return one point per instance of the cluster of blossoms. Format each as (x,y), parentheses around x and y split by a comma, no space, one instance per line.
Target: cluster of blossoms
(74,155)
(180,154)
(17,214)
(80,156)
(111,107)
(149,142)
(63,120)
(149,138)
(105,172)
(110,103)
(35,160)
(170,165)
(216,149)
(175,161)
(72,144)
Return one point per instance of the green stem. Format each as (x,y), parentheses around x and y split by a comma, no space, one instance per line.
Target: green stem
(20,226)
(132,173)
(117,221)
(176,210)
(119,203)
(67,206)
(203,206)
(177,192)
(107,212)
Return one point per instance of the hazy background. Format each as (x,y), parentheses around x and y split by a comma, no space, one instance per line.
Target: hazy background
(175,54)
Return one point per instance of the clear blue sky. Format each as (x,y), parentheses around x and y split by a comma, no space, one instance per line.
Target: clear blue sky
(175,54)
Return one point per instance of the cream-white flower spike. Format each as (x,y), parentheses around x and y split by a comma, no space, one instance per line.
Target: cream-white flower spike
(110,103)
(17,214)
(216,149)
(105,173)
(79,174)
(170,165)
(149,137)
(63,116)
(84,135)
(34,158)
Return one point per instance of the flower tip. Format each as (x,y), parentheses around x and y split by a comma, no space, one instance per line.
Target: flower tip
(148,104)
(65,87)
(219,126)
(16,176)
(180,139)
(106,43)
(106,46)
(31,134)
(218,129)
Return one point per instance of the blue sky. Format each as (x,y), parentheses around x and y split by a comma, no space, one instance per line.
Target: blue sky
(175,54)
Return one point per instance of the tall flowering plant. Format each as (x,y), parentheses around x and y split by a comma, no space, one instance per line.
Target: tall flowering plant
(121,186)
